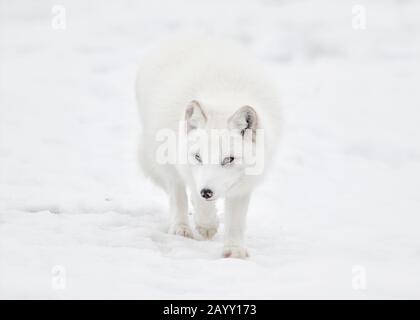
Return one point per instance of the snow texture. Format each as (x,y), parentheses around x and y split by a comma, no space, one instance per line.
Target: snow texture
(337,217)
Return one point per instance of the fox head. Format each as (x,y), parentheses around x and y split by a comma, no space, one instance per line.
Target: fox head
(219,149)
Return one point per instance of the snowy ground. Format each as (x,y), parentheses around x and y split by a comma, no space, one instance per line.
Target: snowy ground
(343,199)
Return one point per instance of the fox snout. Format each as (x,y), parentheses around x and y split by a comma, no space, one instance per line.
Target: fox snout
(206,193)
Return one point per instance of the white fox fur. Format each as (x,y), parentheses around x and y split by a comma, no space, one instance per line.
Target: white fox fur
(205,82)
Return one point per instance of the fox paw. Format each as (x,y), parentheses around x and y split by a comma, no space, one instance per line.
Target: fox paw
(235,252)
(181,230)
(206,232)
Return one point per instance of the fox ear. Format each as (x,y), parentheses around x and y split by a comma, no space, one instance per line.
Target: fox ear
(194,116)
(243,119)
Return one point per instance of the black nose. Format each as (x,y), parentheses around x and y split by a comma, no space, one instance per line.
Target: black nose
(206,193)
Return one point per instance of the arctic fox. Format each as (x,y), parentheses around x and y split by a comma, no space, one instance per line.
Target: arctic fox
(194,88)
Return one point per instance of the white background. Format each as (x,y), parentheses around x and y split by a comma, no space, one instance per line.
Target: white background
(77,219)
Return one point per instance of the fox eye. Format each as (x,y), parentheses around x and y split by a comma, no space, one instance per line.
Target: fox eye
(198,157)
(227,160)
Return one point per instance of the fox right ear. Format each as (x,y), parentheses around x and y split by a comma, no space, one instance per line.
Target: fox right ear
(194,116)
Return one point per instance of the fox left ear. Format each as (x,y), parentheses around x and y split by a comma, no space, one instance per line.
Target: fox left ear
(243,119)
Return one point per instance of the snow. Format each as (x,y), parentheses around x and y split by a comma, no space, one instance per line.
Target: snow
(341,201)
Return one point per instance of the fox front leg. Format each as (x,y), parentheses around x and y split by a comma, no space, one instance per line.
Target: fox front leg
(235,220)
(205,217)
(178,206)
